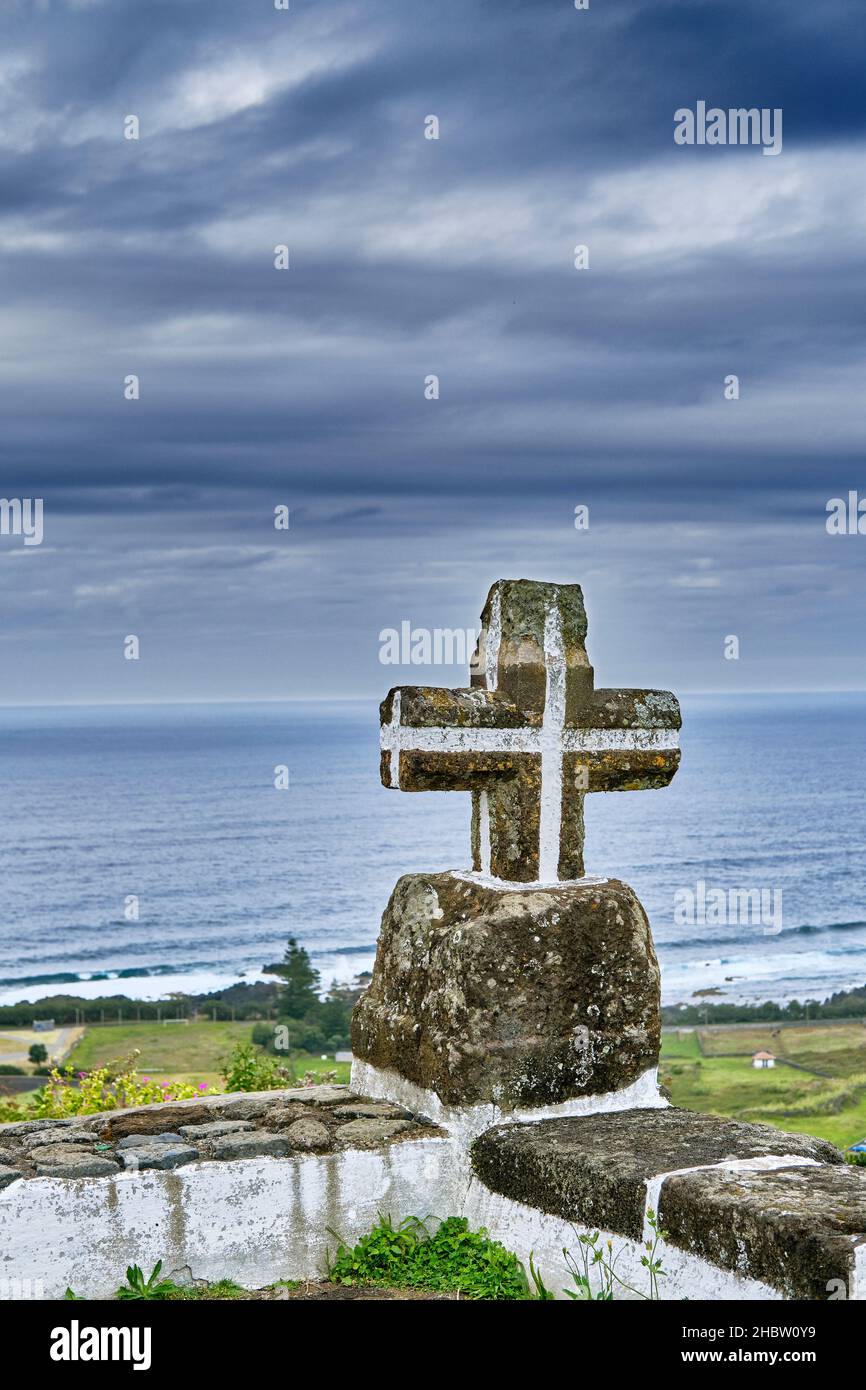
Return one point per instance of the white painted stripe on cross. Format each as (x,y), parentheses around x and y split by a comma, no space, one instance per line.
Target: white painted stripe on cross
(493,641)
(553,724)
(434,739)
(484,832)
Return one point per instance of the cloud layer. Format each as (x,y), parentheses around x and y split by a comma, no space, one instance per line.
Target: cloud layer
(411,257)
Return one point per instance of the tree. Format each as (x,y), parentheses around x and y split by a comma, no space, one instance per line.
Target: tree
(300,992)
(38,1053)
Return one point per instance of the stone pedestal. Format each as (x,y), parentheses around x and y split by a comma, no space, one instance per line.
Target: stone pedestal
(515,996)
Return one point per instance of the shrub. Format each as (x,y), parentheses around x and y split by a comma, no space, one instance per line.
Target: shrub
(38,1053)
(7,1070)
(115,1086)
(295,1034)
(263,1036)
(249,1069)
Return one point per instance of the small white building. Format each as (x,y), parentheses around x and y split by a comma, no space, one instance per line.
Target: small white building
(763,1059)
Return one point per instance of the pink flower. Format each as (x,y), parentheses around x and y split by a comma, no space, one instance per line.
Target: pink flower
(202,1086)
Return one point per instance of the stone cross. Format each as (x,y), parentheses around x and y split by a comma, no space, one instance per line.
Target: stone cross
(531,736)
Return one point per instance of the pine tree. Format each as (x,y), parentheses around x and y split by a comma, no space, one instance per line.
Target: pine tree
(300,993)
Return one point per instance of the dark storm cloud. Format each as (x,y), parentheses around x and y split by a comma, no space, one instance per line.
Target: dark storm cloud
(412,257)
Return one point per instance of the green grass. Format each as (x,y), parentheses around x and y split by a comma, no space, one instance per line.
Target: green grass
(680,1044)
(223,1289)
(175,1048)
(700,1077)
(304,1061)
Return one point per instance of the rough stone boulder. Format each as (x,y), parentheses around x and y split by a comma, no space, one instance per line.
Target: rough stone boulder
(516,996)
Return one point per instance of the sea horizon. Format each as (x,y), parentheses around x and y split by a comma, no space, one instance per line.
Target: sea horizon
(173,803)
(684,692)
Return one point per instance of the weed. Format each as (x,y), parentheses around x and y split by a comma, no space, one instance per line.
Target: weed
(137,1287)
(596,1258)
(453,1259)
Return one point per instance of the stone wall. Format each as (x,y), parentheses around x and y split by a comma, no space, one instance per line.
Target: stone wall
(748,1209)
(249,1187)
(258,1187)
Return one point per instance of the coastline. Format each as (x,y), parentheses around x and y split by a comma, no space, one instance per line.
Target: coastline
(724,979)
(122,990)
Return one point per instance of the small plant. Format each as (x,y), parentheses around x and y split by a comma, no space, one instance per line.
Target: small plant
(137,1287)
(590,1256)
(858,1159)
(247,1068)
(542,1293)
(595,1257)
(453,1259)
(651,1261)
(284,1286)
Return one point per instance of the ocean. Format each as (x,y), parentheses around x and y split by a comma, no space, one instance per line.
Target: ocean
(176,806)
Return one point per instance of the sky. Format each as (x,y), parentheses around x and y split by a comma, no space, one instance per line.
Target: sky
(410,257)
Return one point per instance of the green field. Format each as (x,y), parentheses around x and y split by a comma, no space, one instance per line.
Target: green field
(179,1051)
(710,1069)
